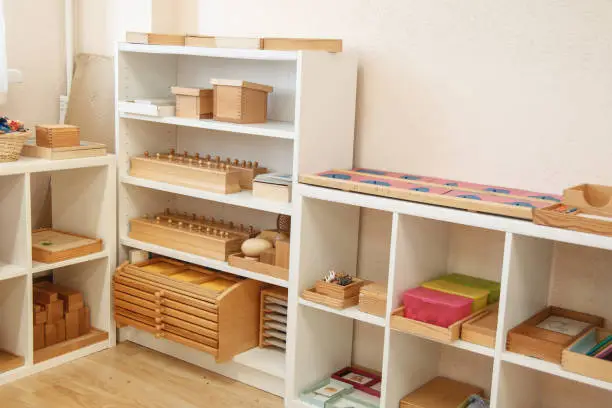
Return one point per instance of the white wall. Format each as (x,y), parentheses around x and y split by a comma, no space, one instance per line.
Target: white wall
(513,92)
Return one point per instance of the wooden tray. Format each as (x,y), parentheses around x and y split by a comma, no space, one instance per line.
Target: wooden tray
(575,360)
(573,218)
(481,329)
(86,149)
(93,337)
(10,361)
(239,261)
(440,334)
(338,292)
(313,296)
(373,299)
(49,245)
(592,198)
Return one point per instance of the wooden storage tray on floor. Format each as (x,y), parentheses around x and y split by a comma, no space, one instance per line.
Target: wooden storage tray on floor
(49,245)
(239,261)
(574,357)
(273,333)
(440,334)
(210,311)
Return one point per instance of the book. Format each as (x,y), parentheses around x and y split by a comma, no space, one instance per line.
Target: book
(563,325)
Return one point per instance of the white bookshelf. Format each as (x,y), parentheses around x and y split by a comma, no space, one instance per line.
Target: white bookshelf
(537,266)
(83,193)
(311,119)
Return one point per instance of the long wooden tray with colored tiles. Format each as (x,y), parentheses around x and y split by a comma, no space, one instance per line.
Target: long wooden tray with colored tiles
(483,198)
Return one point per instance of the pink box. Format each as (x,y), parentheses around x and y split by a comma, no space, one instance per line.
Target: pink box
(433,307)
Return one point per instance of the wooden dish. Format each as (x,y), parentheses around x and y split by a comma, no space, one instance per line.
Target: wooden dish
(594,198)
(49,245)
(574,357)
(239,261)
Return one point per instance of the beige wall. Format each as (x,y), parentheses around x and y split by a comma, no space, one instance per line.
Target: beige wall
(514,92)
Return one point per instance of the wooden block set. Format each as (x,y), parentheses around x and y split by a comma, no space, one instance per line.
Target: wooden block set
(209,311)
(202,236)
(439,308)
(194,171)
(57,142)
(273,319)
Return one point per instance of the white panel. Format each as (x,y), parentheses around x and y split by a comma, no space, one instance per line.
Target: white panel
(373,260)
(136,137)
(146,75)
(15,310)
(519,387)
(368,344)
(467,367)
(476,252)
(14,213)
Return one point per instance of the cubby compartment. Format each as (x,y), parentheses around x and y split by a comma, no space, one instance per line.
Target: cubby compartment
(14,315)
(14,256)
(414,361)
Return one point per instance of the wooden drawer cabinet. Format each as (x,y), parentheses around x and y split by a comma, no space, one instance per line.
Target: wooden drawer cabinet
(210,311)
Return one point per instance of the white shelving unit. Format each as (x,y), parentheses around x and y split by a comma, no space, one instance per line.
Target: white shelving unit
(537,266)
(311,119)
(84,202)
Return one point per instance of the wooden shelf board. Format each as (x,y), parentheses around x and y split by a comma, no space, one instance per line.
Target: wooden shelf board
(35,165)
(264,359)
(350,312)
(9,362)
(41,267)
(200,260)
(211,52)
(281,130)
(553,369)
(9,271)
(242,199)
(93,337)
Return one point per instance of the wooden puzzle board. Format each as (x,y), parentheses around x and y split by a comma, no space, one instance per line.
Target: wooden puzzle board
(55,241)
(432,190)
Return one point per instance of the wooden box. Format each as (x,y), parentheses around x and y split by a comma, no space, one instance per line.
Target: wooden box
(209,311)
(292,44)
(155,39)
(532,339)
(573,218)
(273,192)
(440,392)
(84,149)
(57,136)
(240,101)
(272,329)
(575,358)
(440,334)
(282,255)
(239,261)
(224,42)
(49,245)
(193,103)
(481,329)
(73,299)
(335,291)
(594,198)
(373,299)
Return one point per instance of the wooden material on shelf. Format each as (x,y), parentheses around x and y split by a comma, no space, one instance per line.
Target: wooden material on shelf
(73,299)
(529,339)
(224,42)
(58,136)
(481,329)
(39,336)
(213,312)
(592,198)
(239,261)
(195,103)
(440,392)
(440,334)
(430,190)
(272,333)
(85,149)
(240,101)
(156,107)
(575,359)
(93,337)
(189,234)
(273,192)
(333,290)
(373,299)
(154,39)
(192,172)
(10,361)
(573,218)
(295,44)
(283,248)
(313,296)
(49,245)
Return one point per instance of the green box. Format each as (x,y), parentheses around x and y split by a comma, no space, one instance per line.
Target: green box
(494,288)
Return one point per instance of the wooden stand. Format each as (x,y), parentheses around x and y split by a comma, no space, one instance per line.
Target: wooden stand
(574,358)
(93,337)
(240,101)
(50,245)
(273,318)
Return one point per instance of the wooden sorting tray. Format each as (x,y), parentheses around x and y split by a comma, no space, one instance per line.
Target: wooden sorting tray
(239,261)
(272,331)
(574,357)
(481,329)
(49,245)
(93,337)
(445,335)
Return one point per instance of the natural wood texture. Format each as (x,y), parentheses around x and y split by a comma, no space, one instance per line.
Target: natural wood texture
(481,329)
(273,192)
(295,44)
(547,345)
(57,136)
(132,376)
(373,299)
(9,361)
(573,218)
(72,325)
(440,393)
(593,198)
(50,335)
(193,103)
(50,245)
(590,366)
(60,330)
(268,256)
(314,296)
(273,300)
(224,42)
(240,101)
(282,254)
(39,336)
(55,311)
(154,39)
(85,149)
(44,297)
(339,292)
(239,261)
(93,337)
(73,300)
(440,334)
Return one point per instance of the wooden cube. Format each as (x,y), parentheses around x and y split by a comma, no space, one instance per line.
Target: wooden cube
(60,330)
(57,136)
(55,311)
(240,101)
(73,300)
(282,254)
(194,103)
(84,321)
(50,334)
(39,336)
(72,325)
(43,296)
(268,256)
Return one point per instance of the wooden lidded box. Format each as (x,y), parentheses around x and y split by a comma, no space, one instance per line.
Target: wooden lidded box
(58,136)
(594,364)
(481,329)
(547,333)
(49,245)
(373,299)
(240,101)
(440,392)
(194,103)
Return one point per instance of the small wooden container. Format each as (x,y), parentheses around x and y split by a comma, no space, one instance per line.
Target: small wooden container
(50,245)
(272,192)
(573,218)
(336,291)
(481,329)
(314,296)
(58,136)
(593,198)
(574,357)
(194,103)
(373,299)
(529,339)
(240,101)
(440,392)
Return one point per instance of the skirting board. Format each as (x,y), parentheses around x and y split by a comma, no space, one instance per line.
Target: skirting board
(238,372)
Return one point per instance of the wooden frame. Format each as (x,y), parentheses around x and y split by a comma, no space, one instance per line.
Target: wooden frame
(73,249)
(373,299)
(580,363)
(376,378)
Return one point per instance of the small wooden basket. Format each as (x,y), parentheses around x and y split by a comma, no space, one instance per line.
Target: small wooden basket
(11,145)
(335,291)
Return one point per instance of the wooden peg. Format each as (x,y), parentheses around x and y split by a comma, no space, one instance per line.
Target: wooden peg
(207,230)
(250,165)
(172,152)
(169,221)
(244,163)
(167,211)
(236,162)
(185,154)
(228,161)
(251,230)
(217,160)
(157,156)
(200,163)
(209,164)
(190,227)
(231,225)
(190,161)
(157,220)
(226,234)
(208,157)
(180,224)
(146,154)
(194,216)
(197,156)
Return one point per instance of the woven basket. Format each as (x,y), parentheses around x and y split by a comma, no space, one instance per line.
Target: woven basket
(11,145)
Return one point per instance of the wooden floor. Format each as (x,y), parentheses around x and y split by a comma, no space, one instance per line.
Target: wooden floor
(130,376)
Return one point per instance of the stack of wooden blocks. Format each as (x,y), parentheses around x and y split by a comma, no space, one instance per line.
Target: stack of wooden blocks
(273,324)
(60,314)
